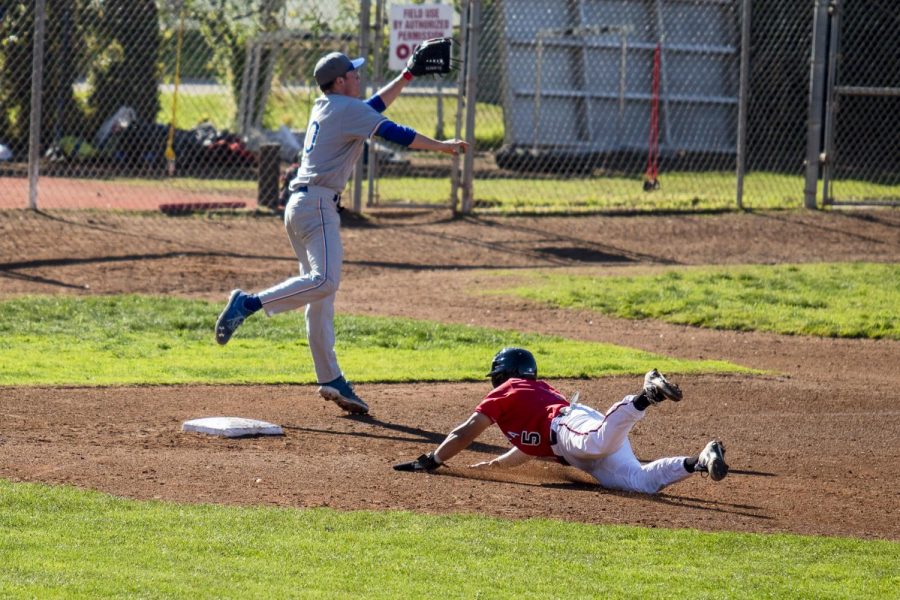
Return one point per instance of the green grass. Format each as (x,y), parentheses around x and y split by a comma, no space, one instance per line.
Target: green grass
(233,187)
(683,192)
(112,340)
(64,542)
(688,191)
(218,109)
(292,109)
(680,191)
(858,300)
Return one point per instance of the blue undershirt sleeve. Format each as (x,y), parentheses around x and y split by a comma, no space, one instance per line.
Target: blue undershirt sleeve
(399,134)
(377,103)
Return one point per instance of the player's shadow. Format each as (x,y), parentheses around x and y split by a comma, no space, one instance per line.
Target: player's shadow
(38,279)
(403,433)
(10,270)
(575,483)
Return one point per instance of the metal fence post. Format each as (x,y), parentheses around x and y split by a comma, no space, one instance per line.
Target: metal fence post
(365,13)
(268,175)
(817,76)
(460,104)
(834,45)
(378,80)
(471,89)
(743,99)
(37,85)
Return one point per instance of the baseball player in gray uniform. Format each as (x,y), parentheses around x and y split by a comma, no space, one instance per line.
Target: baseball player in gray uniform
(339,125)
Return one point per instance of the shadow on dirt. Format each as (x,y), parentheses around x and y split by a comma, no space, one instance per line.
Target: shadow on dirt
(412,434)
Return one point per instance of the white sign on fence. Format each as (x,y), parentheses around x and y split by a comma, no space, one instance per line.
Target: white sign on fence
(412,24)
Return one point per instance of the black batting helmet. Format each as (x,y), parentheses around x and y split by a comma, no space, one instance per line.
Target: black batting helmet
(512,362)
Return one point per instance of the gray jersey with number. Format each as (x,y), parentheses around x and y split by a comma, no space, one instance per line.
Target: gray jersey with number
(337,128)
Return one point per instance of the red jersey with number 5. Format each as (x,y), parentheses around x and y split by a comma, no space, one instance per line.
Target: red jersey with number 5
(523,409)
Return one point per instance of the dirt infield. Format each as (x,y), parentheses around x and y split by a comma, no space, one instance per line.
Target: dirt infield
(67,192)
(813,446)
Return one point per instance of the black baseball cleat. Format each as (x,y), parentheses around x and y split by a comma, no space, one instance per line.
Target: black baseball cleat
(232,317)
(341,393)
(712,461)
(657,388)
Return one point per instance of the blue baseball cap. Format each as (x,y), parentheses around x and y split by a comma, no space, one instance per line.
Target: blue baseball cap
(334,65)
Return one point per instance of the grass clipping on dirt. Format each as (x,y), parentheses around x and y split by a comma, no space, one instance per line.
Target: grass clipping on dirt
(117,340)
(856,300)
(61,541)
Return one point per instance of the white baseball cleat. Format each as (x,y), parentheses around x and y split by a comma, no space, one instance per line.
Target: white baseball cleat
(712,461)
(657,388)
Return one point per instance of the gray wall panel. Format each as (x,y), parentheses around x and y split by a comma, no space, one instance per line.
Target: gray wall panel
(581,74)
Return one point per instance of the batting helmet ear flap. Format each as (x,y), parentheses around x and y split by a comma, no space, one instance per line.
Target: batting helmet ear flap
(512,362)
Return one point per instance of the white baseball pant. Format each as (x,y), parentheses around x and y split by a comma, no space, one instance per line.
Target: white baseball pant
(314,228)
(599,446)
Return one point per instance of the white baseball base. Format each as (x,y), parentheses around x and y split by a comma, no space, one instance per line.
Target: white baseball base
(231,427)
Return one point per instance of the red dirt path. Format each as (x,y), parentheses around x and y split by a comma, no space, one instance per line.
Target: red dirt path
(813,447)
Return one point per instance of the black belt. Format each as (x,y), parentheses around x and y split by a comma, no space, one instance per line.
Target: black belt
(553,441)
(337,197)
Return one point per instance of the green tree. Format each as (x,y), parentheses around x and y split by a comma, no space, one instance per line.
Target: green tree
(16,41)
(63,45)
(227,26)
(126,71)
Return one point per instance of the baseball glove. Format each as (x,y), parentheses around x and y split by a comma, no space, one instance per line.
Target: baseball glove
(432,57)
(425,462)
(285,182)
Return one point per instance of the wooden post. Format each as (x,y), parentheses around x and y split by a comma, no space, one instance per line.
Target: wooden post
(268,175)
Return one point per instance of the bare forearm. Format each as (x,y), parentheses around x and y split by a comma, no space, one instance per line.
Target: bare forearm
(390,91)
(452,445)
(460,438)
(513,458)
(423,142)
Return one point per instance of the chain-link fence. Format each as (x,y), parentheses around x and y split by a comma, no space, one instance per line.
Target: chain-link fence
(614,104)
(147,104)
(580,104)
(862,162)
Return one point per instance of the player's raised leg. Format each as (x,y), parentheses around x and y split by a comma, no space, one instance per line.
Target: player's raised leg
(313,227)
(240,306)
(585,433)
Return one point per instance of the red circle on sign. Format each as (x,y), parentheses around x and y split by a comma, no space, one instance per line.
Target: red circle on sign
(402,51)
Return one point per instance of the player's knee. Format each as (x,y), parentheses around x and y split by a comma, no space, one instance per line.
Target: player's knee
(325,284)
(644,485)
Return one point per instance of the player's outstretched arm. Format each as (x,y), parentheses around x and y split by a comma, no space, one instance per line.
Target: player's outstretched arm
(390,91)
(460,438)
(454,146)
(456,441)
(513,458)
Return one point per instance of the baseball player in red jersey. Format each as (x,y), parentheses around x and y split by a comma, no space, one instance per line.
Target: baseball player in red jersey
(541,423)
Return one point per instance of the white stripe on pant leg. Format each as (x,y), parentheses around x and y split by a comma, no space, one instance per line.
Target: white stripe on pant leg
(299,291)
(286,293)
